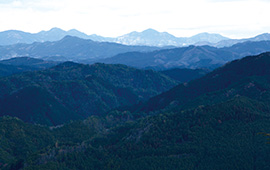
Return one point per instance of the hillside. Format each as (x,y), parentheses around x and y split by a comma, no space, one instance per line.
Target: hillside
(71,91)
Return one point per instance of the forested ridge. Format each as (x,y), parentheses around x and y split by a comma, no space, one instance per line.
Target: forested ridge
(215,122)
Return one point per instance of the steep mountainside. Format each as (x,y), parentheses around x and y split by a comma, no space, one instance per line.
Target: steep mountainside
(73,91)
(247,77)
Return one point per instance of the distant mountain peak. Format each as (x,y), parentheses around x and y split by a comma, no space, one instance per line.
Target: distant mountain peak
(150,31)
(74,31)
(70,37)
(54,29)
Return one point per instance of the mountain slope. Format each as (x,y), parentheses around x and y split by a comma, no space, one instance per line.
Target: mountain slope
(189,57)
(184,75)
(248,76)
(222,136)
(72,91)
(185,57)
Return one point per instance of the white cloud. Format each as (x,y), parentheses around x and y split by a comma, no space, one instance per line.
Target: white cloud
(236,18)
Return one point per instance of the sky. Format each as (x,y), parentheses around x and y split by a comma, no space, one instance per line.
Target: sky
(111,18)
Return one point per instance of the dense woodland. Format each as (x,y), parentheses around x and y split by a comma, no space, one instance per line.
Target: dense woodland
(71,91)
(218,121)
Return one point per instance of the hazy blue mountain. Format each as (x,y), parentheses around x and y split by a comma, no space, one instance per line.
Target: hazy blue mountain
(206,37)
(184,57)
(56,34)
(69,48)
(249,48)
(149,37)
(189,57)
(230,42)
(152,37)
(13,36)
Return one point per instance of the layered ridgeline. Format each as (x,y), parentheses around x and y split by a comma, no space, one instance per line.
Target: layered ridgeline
(71,91)
(88,51)
(149,37)
(69,49)
(223,129)
(189,57)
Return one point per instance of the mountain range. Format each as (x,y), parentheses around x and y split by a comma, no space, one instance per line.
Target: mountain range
(88,51)
(69,49)
(149,37)
(133,107)
(218,121)
(189,57)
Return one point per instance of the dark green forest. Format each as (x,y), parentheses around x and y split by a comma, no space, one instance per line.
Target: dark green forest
(71,91)
(218,121)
